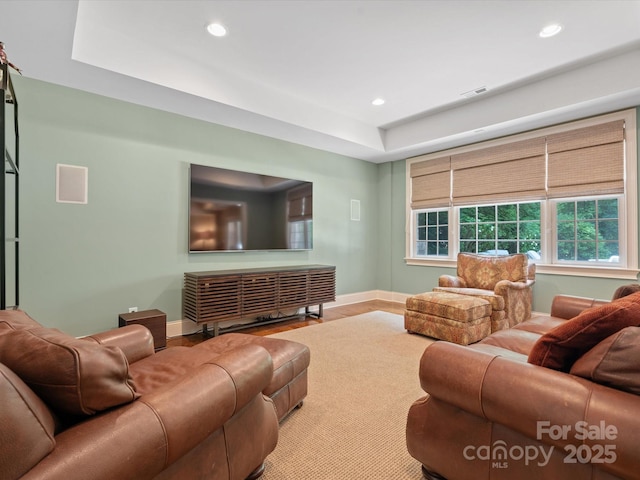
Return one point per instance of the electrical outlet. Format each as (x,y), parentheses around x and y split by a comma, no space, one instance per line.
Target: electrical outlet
(133,309)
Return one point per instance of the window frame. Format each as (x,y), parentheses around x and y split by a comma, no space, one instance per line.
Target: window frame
(496,224)
(437,225)
(621,228)
(627,268)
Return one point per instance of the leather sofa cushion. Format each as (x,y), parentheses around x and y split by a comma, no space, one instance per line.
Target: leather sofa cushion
(16,320)
(540,324)
(26,426)
(614,362)
(562,346)
(290,359)
(71,375)
(166,366)
(516,340)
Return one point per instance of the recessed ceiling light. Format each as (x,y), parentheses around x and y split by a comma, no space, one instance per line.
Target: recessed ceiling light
(377,102)
(217,29)
(550,30)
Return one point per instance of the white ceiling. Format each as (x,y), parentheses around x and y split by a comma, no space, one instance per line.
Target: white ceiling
(307,71)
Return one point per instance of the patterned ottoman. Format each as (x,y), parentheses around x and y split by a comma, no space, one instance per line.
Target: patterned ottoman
(461,319)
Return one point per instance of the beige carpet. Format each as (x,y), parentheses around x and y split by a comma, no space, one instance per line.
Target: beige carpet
(362,380)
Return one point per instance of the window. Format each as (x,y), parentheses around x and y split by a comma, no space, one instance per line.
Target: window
(500,229)
(588,230)
(432,233)
(564,195)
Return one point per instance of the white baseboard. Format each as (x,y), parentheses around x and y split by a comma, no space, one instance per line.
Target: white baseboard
(177,328)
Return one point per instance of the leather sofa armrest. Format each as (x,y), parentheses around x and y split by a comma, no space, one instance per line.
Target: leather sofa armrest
(507,391)
(451,281)
(553,407)
(229,382)
(545,398)
(464,389)
(569,306)
(140,439)
(250,367)
(548,402)
(135,341)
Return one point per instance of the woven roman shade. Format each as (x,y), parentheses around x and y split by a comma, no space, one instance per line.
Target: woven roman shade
(503,172)
(587,161)
(299,201)
(430,183)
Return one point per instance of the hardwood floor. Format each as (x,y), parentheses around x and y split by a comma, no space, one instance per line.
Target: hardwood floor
(330,314)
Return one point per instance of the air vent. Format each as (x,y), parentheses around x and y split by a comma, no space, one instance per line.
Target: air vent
(473,93)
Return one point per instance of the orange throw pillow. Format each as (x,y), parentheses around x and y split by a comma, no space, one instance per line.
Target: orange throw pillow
(560,347)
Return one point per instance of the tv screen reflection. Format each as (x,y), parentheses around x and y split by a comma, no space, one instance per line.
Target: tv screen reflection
(231,210)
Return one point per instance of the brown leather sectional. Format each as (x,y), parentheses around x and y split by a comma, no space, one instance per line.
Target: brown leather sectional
(489,414)
(107,406)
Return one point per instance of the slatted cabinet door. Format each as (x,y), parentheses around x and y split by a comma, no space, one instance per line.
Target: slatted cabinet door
(293,290)
(213,298)
(259,294)
(322,286)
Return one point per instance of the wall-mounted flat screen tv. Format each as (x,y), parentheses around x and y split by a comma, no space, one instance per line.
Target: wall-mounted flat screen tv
(231,210)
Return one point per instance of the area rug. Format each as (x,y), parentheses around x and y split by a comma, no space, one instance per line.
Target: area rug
(363,378)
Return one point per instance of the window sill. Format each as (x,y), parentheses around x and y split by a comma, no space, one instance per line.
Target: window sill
(588,271)
(545,269)
(431,262)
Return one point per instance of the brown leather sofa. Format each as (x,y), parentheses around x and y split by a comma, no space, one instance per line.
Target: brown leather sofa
(107,406)
(490,414)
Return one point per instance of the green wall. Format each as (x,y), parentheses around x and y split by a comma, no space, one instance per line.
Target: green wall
(411,279)
(82,265)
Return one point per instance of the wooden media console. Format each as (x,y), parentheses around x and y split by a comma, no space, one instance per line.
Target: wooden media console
(276,293)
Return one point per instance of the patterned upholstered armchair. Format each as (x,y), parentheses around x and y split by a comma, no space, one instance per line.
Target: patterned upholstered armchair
(505,281)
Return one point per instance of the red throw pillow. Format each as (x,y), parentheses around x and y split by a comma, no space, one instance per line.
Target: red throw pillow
(560,347)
